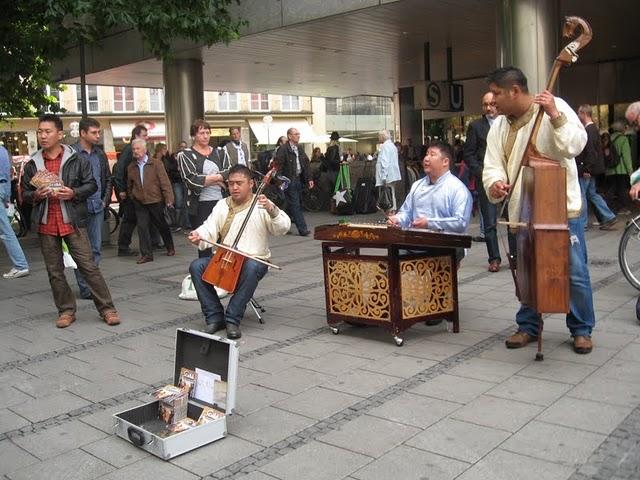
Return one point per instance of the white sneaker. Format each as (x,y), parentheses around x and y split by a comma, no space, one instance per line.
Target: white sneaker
(15,273)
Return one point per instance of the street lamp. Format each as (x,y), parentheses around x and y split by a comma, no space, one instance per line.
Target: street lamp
(268,119)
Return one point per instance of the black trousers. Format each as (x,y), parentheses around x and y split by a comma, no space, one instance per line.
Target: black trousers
(203,212)
(127,224)
(147,215)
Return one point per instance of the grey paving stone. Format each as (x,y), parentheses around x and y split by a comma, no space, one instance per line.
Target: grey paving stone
(62,438)
(452,388)
(73,465)
(150,468)
(293,380)
(115,451)
(609,391)
(502,465)
(630,352)
(49,384)
(554,443)
(398,365)
(465,337)
(554,370)
(585,415)
(13,458)
(269,425)
(486,370)
(216,456)
(316,461)
(415,410)
(369,435)
(257,476)
(274,362)
(333,363)
(530,390)
(317,402)
(10,421)
(42,408)
(10,396)
(564,352)
(408,463)
(104,386)
(312,348)
(523,356)
(273,332)
(619,369)
(360,382)
(460,440)
(252,398)
(496,412)
(429,350)
(103,419)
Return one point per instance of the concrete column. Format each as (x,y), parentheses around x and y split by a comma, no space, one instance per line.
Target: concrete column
(527,38)
(183,98)
(410,118)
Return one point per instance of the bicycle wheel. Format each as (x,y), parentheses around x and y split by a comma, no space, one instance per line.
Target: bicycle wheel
(629,252)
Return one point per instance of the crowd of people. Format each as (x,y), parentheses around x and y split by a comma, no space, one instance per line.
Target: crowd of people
(208,192)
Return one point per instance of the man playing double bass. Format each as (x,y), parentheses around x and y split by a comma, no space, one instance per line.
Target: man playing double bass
(223,225)
(561,137)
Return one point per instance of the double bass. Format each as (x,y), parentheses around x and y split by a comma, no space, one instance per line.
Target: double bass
(542,271)
(224,268)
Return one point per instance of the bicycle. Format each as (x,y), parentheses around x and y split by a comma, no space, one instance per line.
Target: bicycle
(629,252)
(17,223)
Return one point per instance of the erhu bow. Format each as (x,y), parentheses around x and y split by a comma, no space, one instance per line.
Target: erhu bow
(226,264)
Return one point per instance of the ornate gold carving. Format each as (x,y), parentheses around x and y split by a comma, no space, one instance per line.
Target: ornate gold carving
(426,286)
(356,235)
(359,288)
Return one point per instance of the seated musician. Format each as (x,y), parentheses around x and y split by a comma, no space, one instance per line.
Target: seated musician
(561,137)
(223,225)
(439,201)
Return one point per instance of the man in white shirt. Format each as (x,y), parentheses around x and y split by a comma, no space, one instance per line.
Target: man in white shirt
(561,137)
(387,168)
(225,223)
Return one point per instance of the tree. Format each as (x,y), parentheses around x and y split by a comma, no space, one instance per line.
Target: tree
(34,33)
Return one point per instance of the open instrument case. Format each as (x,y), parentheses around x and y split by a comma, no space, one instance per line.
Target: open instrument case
(194,349)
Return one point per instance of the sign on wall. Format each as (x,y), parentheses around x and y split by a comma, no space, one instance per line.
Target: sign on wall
(442,96)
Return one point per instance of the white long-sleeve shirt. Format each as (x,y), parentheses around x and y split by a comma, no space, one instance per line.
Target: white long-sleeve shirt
(255,238)
(562,144)
(387,168)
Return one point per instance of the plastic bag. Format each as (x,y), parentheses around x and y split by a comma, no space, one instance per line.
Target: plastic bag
(385,198)
(67,259)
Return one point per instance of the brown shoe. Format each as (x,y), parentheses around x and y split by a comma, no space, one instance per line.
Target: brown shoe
(171,252)
(608,225)
(111,318)
(494,266)
(519,340)
(582,344)
(144,259)
(65,319)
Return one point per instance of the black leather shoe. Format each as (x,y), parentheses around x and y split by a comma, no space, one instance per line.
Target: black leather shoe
(126,253)
(212,328)
(233,331)
(305,233)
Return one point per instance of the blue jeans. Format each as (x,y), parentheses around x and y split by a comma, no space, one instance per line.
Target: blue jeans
(581,317)
(251,273)
(8,237)
(489,216)
(181,218)
(589,194)
(293,195)
(94,232)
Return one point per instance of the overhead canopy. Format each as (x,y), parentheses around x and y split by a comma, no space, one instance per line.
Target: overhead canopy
(268,133)
(122,129)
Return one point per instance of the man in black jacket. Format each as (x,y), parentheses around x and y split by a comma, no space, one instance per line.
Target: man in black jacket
(99,200)
(60,213)
(293,163)
(127,208)
(590,164)
(474,149)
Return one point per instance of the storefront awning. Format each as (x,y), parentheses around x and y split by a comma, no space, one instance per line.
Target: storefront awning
(122,129)
(268,134)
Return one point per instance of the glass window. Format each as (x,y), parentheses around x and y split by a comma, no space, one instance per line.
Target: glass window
(259,101)
(290,102)
(156,100)
(227,102)
(91,99)
(123,99)
(53,92)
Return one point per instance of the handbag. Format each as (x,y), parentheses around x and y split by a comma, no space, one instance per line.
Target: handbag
(188,291)
(385,198)
(342,199)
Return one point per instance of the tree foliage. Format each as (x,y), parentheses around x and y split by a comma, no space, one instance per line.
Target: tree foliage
(35,33)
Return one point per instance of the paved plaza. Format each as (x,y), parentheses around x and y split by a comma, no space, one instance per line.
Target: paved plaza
(313,405)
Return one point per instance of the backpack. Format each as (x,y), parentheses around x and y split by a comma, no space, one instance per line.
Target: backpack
(364,195)
(613,159)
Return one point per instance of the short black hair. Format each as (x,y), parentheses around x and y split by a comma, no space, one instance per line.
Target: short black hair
(444,148)
(52,118)
(242,170)
(87,123)
(137,130)
(506,77)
